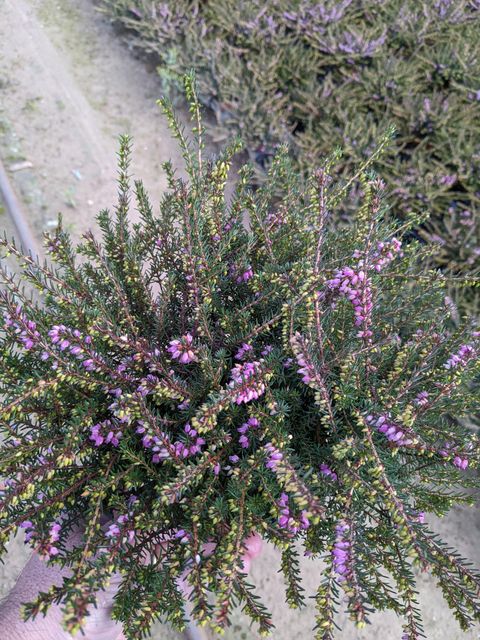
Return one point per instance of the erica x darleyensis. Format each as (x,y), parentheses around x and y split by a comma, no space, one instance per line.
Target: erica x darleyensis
(196,379)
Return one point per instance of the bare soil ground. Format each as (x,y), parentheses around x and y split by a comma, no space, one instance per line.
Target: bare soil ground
(68,89)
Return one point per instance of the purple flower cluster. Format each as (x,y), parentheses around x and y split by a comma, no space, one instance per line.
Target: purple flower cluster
(419,516)
(247,382)
(312,16)
(276,219)
(183,536)
(25,329)
(120,407)
(454,12)
(51,549)
(52,245)
(287,520)
(78,345)
(448,180)
(245,276)
(421,400)
(329,473)
(356,287)
(393,432)
(307,369)
(458,461)
(147,385)
(263,24)
(56,334)
(273,456)
(252,423)
(159,444)
(182,349)
(341,552)
(463,356)
(48,548)
(355,44)
(113,531)
(241,275)
(244,351)
(124,524)
(29,529)
(106,432)
(156,444)
(386,252)
(162,448)
(193,447)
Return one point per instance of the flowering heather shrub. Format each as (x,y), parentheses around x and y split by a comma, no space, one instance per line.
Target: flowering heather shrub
(339,72)
(229,367)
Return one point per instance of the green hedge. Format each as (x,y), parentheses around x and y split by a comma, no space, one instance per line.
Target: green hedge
(320,74)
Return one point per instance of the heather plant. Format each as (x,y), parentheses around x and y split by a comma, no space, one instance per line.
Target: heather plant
(339,72)
(229,366)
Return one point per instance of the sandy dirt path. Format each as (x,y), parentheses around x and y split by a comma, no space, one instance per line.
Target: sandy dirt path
(68,88)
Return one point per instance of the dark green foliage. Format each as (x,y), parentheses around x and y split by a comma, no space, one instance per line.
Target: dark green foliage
(288,347)
(339,72)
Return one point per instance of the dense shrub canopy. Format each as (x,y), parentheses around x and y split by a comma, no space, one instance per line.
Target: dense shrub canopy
(340,72)
(229,367)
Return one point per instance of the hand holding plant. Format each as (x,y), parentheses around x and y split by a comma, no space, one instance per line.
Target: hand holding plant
(223,368)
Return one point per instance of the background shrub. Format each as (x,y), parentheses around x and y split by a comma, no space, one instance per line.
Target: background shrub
(339,72)
(195,379)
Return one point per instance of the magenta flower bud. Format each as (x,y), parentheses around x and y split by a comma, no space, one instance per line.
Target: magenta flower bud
(113,531)
(243,351)
(181,349)
(461,463)
(244,442)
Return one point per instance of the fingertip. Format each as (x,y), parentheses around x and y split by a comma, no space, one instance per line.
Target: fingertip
(253,544)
